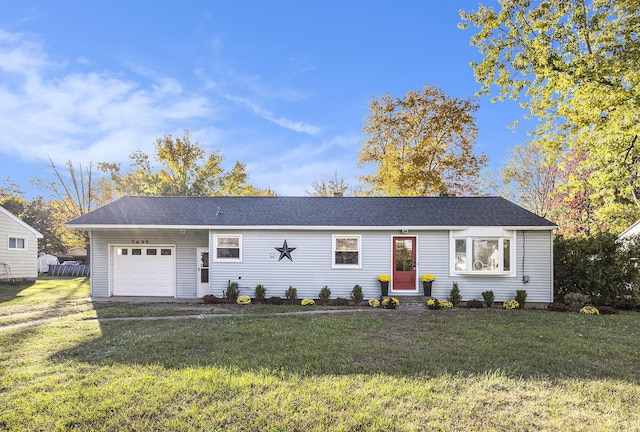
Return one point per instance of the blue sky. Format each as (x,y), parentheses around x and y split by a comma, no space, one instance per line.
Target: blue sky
(282,86)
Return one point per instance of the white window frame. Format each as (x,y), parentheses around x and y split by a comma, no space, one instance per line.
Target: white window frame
(473,234)
(215,247)
(16,238)
(334,239)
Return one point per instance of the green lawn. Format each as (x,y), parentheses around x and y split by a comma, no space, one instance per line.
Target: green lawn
(371,370)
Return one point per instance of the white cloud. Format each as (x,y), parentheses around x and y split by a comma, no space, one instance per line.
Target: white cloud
(296,126)
(48,109)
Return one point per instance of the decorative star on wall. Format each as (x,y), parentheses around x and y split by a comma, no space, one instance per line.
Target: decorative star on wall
(285,251)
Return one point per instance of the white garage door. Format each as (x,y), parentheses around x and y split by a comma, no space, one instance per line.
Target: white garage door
(144,271)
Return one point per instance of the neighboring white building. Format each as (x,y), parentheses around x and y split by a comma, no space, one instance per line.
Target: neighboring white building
(187,247)
(633,230)
(18,248)
(45,260)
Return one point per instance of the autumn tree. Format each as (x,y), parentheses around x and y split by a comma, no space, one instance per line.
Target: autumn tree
(534,176)
(421,144)
(574,66)
(185,170)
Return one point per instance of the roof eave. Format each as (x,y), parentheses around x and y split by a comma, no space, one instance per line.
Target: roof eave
(306,227)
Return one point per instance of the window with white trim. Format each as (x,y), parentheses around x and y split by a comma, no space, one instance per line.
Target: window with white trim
(17,243)
(482,254)
(346,251)
(227,247)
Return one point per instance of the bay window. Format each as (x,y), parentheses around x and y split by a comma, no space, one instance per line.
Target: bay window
(476,254)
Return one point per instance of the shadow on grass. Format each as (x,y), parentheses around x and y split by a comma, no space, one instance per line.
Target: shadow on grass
(529,344)
(9,291)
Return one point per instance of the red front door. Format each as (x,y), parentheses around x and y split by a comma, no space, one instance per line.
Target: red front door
(404,263)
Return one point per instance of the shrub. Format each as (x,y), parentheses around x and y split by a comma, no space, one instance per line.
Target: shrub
(576,301)
(521,298)
(589,310)
(259,293)
(558,307)
(488,297)
(599,266)
(243,300)
(232,292)
(275,300)
(308,302)
(374,303)
(475,304)
(356,294)
(454,294)
(291,294)
(510,304)
(340,301)
(211,299)
(325,295)
(607,310)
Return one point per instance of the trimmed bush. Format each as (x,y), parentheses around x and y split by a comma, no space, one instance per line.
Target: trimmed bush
(475,304)
(232,292)
(357,295)
(259,293)
(489,298)
(454,294)
(325,295)
(521,298)
(291,295)
(558,307)
(275,300)
(576,301)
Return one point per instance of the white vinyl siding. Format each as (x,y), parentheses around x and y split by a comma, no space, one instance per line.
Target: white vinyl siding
(311,267)
(185,256)
(18,249)
(533,257)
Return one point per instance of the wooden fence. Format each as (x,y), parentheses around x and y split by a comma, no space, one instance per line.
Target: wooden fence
(68,270)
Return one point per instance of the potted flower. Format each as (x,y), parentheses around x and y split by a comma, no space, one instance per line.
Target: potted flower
(390,303)
(384,280)
(433,303)
(427,281)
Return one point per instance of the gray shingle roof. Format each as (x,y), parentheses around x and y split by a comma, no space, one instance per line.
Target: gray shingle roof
(311,211)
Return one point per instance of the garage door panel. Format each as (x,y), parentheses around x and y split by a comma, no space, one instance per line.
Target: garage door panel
(144,271)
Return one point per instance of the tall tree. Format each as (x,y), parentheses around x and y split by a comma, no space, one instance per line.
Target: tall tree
(421,144)
(185,170)
(574,66)
(75,191)
(535,177)
(329,186)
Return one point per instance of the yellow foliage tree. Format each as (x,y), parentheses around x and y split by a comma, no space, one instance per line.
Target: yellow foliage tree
(421,144)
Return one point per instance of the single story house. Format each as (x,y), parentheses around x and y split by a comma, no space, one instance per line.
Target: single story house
(18,248)
(187,247)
